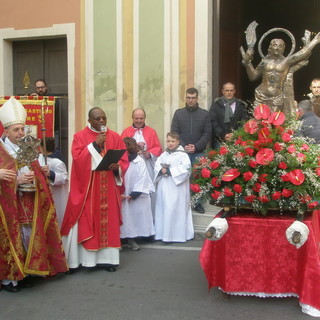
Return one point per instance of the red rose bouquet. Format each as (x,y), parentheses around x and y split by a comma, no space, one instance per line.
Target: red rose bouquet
(265,166)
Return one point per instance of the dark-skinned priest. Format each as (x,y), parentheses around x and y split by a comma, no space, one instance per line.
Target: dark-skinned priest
(91,225)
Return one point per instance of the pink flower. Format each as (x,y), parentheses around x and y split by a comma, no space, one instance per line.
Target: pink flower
(264,156)
(240,155)
(312,205)
(291,148)
(251,126)
(264,133)
(276,195)
(223,150)
(263,177)
(215,195)
(296,177)
(230,175)
(279,129)
(317,171)
(261,112)
(277,118)
(265,141)
(257,144)
(195,188)
(249,151)
(250,198)
(285,177)
(256,187)
(305,147)
(214,165)
(215,182)
(238,141)
(252,163)
(237,188)
(277,147)
(286,137)
(282,165)
(228,192)
(247,176)
(287,193)
(263,199)
(205,173)
(306,198)
(301,156)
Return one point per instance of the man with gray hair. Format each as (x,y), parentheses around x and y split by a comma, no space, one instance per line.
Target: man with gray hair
(310,127)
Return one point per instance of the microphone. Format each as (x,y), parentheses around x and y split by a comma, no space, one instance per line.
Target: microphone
(103,129)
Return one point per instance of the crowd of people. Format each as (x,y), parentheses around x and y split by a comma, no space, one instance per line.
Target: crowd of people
(141,193)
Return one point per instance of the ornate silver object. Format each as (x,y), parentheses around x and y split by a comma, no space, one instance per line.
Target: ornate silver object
(27,153)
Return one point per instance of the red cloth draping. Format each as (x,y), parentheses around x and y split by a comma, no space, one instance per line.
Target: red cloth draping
(94,200)
(150,136)
(254,256)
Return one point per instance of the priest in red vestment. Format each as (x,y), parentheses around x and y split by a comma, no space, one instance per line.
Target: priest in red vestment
(148,141)
(30,241)
(91,224)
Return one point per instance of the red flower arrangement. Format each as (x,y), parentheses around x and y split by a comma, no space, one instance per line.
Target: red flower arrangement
(265,166)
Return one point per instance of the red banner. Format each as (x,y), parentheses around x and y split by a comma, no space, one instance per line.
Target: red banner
(33,106)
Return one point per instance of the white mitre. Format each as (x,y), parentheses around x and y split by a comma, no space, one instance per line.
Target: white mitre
(12,112)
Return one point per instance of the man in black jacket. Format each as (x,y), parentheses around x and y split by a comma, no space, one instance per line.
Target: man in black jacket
(192,123)
(310,126)
(227,113)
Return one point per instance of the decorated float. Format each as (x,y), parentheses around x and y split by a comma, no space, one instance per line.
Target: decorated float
(266,180)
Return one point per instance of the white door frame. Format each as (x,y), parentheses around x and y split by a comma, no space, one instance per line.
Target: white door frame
(8,35)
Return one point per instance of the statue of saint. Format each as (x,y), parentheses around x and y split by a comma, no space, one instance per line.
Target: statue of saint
(276,70)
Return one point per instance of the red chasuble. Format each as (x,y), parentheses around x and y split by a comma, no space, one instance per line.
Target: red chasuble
(94,200)
(45,255)
(149,135)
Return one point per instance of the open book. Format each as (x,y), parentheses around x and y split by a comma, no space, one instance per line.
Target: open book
(112,156)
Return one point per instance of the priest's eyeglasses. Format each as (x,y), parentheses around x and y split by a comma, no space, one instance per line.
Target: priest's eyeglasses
(99,118)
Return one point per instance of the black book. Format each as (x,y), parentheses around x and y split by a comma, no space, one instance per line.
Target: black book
(112,156)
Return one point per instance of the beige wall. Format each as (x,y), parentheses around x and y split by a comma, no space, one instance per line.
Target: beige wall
(35,15)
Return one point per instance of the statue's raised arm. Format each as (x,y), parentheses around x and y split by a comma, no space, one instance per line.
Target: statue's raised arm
(276,70)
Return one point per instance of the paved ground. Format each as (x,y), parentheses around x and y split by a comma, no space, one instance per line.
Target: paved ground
(161,281)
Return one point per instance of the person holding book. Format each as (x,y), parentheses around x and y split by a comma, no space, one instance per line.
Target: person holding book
(91,224)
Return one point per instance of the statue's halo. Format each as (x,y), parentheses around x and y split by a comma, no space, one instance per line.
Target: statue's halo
(293,41)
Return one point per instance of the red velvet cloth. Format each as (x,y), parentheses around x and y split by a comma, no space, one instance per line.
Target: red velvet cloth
(255,256)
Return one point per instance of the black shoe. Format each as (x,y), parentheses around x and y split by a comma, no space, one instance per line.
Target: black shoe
(25,283)
(199,208)
(71,271)
(10,287)
(111,269)
(150,239)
